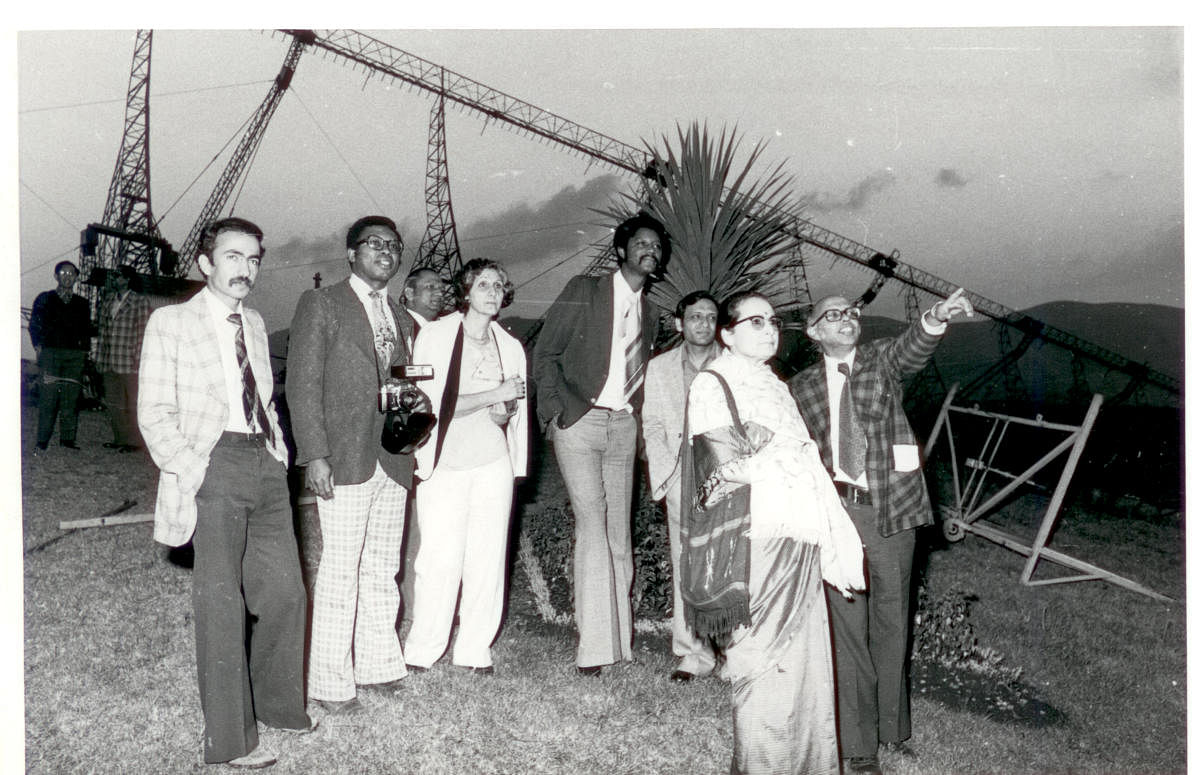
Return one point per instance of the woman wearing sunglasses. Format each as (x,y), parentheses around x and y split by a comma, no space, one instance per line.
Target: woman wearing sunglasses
(760,594)
(467,467)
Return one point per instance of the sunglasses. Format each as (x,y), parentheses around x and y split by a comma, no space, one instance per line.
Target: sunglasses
(837,315)
(759,322)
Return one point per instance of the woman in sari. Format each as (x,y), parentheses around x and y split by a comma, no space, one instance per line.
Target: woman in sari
(755,560)
(466,468)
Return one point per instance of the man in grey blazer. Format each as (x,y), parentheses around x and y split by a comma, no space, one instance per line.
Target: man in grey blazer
(589,366)
(345,339)
(668,377)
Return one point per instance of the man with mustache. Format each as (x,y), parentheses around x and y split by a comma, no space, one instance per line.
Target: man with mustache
(206,413)
(345,339)
(589,366)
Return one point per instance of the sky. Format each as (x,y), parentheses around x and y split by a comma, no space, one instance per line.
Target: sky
(1028,164)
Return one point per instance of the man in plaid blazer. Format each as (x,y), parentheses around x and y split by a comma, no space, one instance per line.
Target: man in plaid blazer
(205,411)
(123,317)
(883,490)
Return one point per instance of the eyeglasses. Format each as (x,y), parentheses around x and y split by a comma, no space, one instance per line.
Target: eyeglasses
(836,315)
(379,243)
(759,322)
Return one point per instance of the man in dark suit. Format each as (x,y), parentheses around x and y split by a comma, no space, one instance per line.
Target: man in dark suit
(345,339)
(589,366)
(61,330)
(870,449)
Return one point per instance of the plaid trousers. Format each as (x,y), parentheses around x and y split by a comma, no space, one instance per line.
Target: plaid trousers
(356,598)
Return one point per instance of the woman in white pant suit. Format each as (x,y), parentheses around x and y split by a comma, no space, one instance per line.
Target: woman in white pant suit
(466,471)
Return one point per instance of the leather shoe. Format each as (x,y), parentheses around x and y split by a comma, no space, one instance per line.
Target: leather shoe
(255,760)
(385,686)
(415,668)
(865,764)
(489,670)
(312,727)
(128,448)
(73,445)
(350,707)
(682,676)
(592,671)
(111,445)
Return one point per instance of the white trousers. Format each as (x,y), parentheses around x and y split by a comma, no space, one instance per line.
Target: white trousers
(463,519)
(356,599)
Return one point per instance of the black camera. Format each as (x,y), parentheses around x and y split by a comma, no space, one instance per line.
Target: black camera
(409,415)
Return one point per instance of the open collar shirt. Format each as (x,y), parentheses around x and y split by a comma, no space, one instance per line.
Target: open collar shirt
(612,395)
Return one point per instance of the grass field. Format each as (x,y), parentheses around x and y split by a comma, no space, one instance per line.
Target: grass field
(110,677)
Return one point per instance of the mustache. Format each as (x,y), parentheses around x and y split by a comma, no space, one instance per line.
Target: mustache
(235,280)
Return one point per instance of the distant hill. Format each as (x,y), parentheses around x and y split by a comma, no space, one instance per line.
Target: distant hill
(1143,333)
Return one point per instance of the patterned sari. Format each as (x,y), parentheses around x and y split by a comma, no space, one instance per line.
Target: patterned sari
(780,663)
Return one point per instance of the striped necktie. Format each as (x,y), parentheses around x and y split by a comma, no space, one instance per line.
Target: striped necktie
(251,406)
(852,442)
(635,366)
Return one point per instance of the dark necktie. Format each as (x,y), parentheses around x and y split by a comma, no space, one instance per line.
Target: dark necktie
(852,442)
(251,406)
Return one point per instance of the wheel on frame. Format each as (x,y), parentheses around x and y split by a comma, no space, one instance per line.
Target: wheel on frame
(952,526)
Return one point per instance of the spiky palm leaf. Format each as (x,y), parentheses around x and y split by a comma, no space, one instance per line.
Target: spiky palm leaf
(725,223)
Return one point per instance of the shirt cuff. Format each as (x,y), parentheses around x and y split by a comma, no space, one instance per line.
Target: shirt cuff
(931,325)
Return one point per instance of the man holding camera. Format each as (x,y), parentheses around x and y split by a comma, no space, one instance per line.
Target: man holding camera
(346,339)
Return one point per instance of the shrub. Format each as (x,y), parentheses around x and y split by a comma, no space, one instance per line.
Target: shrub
(942,634)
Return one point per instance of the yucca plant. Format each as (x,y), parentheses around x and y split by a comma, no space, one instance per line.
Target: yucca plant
(726,224)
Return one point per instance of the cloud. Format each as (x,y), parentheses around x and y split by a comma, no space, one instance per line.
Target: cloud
(525,234)
(948,178)
(854,199)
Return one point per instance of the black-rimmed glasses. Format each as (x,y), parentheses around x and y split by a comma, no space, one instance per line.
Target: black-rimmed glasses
(838,315)
(379,243)
(759,322)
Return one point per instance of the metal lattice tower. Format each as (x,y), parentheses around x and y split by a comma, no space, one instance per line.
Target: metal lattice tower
(241,158)
(439,247)
(127,209)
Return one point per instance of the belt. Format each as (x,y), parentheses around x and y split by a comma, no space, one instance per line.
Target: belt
(852,494)
(239,439)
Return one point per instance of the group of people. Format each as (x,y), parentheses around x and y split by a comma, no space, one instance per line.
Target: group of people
(61,329)
(824,535)
(791,507)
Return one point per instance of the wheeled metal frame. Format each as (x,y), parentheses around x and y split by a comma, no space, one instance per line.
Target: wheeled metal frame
(968,513)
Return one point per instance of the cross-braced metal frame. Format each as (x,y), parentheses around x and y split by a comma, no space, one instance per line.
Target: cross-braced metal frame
(968,513)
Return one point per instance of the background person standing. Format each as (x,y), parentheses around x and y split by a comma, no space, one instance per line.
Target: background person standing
(123,317)
(668,377)
(61,329)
